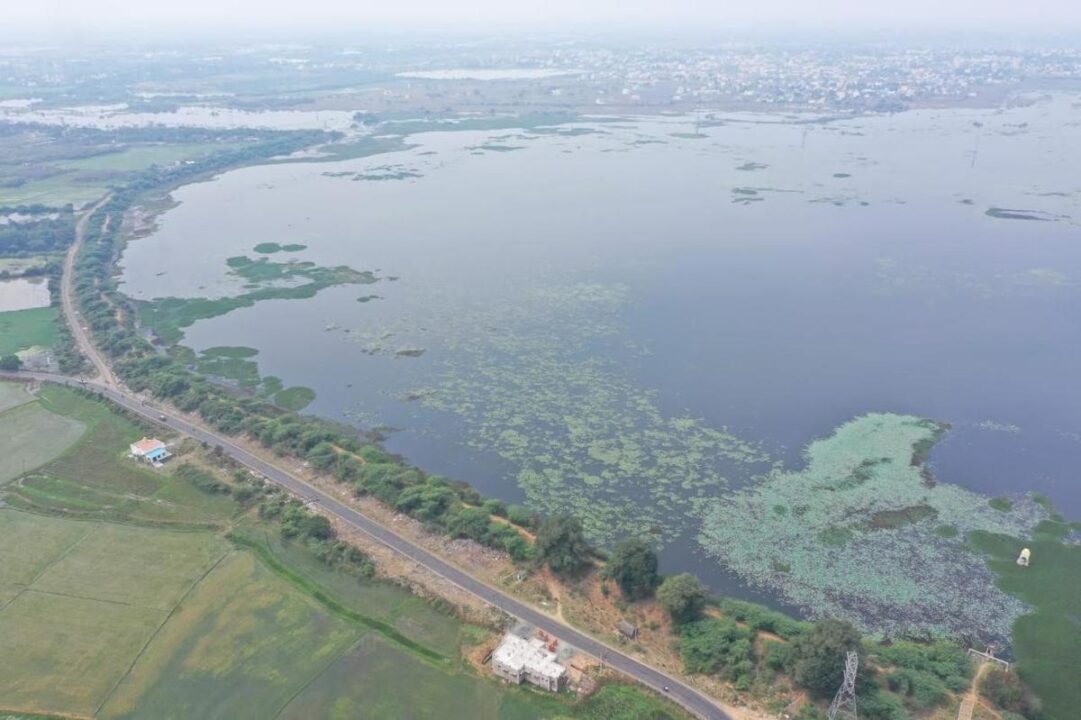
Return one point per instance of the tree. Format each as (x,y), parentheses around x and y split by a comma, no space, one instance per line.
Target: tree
(633,566)
(683,596)
(562,544)
(10,363)
(818,656)
(426,502)
(468,523)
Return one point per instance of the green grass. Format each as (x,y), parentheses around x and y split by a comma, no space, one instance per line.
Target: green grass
(95,479)
(31,436)
(154,570)
(63,654)
(240,646)
(24,329)
(139,158)
(294,398)
(404,612)
(32,543)
(13,394)
(1047,642)
(55,191)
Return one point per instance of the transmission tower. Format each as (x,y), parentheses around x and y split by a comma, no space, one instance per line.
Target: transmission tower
(843,706)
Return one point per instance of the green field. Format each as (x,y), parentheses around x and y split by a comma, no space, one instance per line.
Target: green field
(138,158)
(1047,642)
(24,329)
(55,191)
(94,478)
(13,394)
(144,620)
(30,436)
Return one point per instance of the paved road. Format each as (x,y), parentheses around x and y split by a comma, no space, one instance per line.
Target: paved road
(691,699)
(67,300)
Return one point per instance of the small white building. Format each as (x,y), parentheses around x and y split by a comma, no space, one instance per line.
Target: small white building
(518,660)
(151,450)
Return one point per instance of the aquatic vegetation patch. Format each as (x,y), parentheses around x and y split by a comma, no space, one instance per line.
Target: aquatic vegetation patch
(496,147)
(860,533)
(1011,214)
(544,389)
(294,398)
(267,281)
(269,248)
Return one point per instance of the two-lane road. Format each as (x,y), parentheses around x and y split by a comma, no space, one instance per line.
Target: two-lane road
(689,698)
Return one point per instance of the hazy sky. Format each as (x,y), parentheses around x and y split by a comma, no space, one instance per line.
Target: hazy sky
(344,15)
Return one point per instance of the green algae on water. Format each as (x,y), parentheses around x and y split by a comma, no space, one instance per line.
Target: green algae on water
(863,535)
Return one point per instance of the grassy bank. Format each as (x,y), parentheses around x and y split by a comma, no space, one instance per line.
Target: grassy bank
(1046,642)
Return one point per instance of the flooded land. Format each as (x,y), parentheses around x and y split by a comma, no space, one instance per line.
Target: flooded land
(785,346)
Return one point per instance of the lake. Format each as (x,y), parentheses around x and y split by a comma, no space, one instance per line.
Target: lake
(24,294)
(629,318)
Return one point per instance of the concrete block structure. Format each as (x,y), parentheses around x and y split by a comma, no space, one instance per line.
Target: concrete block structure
(519,660)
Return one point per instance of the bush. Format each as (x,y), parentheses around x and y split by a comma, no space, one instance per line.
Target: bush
(522,516)
(683,596)
(496,507)
(1007,691)
(818,656)
(717,646)
(469,523)
(762,618)
(561,543)
(201,479)
(877,705)
(777,655)
(633,566)
(920,689)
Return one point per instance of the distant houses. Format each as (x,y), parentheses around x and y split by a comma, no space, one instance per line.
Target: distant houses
(519,660)
(150,450)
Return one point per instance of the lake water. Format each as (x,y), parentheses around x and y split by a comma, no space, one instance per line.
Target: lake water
(24,294)
(625,319)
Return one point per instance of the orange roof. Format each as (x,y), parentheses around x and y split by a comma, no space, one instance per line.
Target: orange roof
(147,444)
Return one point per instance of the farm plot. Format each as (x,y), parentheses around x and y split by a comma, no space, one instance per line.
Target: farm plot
(80,602)
(94,479)
(241,645)
(31,436)
(145,567)
(13,394)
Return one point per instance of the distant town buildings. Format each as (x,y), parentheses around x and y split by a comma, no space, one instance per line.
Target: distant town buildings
(519,660)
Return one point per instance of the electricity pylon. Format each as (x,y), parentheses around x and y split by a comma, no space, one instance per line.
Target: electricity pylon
(843,706)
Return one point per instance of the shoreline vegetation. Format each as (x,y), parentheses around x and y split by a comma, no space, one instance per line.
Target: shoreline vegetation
(334,449)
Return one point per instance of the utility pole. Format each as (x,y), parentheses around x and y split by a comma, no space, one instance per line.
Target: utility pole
(843,706)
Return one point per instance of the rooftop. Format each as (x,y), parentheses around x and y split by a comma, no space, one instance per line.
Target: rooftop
(147,445)
(533,655)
